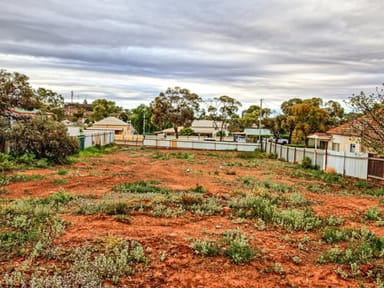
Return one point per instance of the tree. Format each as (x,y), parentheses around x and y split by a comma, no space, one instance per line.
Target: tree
(252,114)
(222,110)
(104,108)
(289,121)
(141,115)
(370,126)
(276,125)
(310,118)
(51,101)
(176,106)
(335,113)
(43,137)
(15,91)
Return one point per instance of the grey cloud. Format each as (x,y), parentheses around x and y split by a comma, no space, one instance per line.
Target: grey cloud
(277,48)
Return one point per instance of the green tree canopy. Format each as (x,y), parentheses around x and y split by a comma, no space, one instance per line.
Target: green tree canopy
(103,108)
(15,91)
(222,110)
(176,106)
(51,101)
(43,137)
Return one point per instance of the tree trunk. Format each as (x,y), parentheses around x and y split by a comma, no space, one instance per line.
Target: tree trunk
(176,131)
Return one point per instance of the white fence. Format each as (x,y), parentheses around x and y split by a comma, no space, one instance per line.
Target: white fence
(160,142)
(348,164)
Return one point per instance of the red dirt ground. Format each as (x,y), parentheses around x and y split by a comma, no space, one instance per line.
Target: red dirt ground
(274,265)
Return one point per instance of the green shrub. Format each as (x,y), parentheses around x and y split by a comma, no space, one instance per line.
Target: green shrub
(62,171)
(239,250)
(333,235)
(373,213)
(363,247)
(39,137)
(306,163)
(205,247)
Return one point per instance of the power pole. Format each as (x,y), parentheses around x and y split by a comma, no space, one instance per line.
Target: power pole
(144,125)
(261,114)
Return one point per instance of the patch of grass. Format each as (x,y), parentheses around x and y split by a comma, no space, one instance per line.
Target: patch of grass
(363,247)
(334,235)
(5,180)
(96,151)
(59,181)
(209,206)
(198,189)
(257,154)
(373,214)
(140,187)
(178,155)
(85,266)
(62,171)
(239,250)
(25,224)
(206,247)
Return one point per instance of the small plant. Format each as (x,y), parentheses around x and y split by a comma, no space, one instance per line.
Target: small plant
(140,187)
(373,214)
(62,171)
(205,248)
(334,235)
(59,181)
(198,189)
(239,250)
(306,163)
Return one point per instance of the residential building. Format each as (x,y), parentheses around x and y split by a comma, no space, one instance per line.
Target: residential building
(122,129)
(345,138)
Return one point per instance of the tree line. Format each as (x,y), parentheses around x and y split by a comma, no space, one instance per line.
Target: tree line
(175,108)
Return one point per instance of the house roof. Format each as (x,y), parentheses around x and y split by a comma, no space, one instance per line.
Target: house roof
(346,129)
(110,121)
(320,136)
(205,124)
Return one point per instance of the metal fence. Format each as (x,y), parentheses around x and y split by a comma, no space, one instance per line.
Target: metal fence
(161,142)
(348,164)
(376,168)
(98,138)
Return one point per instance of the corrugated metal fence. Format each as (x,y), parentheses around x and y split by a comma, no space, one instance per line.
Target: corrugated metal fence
(160,142)
(99,138)
(348,164)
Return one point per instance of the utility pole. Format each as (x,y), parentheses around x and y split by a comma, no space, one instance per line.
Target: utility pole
(261,114)
(144,125)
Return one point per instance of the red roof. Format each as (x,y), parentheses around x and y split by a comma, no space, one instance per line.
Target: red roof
(346,129)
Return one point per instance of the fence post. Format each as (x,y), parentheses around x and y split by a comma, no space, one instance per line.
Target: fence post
(287,153)
(294,156)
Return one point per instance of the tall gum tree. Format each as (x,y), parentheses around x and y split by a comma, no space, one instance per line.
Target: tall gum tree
(223,110)
(176,106)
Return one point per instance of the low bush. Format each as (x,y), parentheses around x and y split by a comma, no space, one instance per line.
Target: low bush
(206,247)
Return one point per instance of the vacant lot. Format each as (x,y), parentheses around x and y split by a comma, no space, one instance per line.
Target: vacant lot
(166,218)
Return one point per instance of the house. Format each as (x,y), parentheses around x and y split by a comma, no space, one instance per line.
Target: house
(204,128)
(319,140)
(121,128)
(345,138)
(16,112)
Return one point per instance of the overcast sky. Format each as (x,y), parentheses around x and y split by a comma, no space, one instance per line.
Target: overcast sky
(130,50)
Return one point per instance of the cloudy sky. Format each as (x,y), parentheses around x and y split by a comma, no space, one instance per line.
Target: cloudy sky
(130,50)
